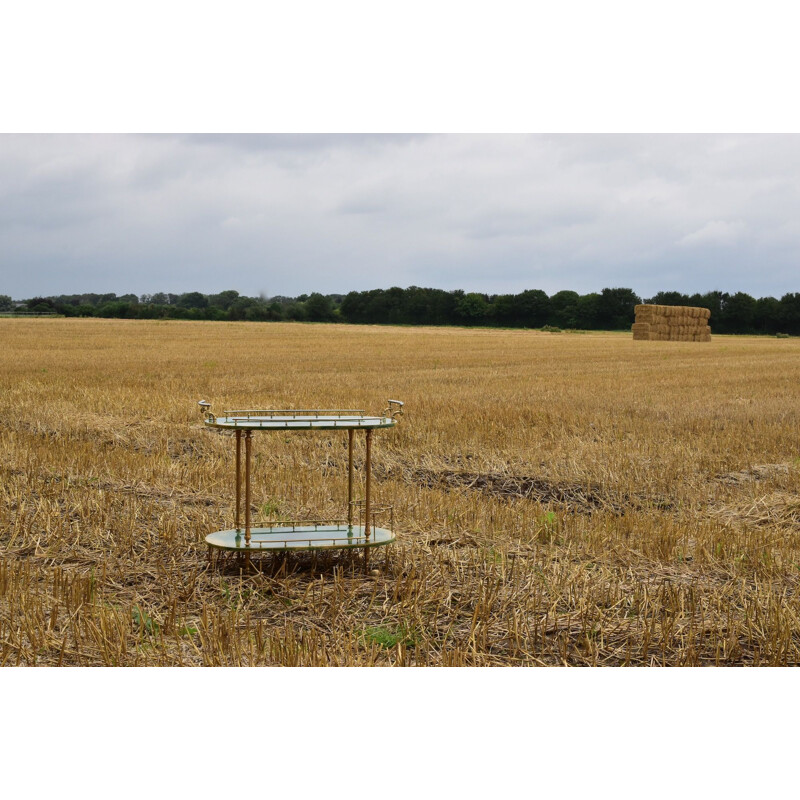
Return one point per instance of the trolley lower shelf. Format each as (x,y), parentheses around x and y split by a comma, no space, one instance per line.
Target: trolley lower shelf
(300,537)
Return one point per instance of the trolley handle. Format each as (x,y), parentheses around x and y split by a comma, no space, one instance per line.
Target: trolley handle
(205,410)
(395,409)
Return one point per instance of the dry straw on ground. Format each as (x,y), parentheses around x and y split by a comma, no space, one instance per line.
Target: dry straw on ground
(564,499)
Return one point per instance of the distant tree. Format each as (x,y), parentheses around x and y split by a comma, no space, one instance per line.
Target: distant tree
(669,299)
(193,300)
(159,299)
(564,309)
(738,313)
(238,309)
(587,311)
(6,303)
(504,309)
(115,309)
(40,305)
(319,308)
(353,307)
(714,302)
(418,309)
(396,309)
(376,307)
(224,300)
(442,306)
(472,308)
(615,308)
(768,315)
(258,311)
(790,313)
(296,312)
(532,308)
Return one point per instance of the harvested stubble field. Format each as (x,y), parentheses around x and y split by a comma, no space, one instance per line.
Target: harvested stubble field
(560,499)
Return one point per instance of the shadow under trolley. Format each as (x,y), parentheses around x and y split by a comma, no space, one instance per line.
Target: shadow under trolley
(358,530)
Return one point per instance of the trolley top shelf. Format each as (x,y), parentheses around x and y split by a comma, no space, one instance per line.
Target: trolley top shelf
(301,419)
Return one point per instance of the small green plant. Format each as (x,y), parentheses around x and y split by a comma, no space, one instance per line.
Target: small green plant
(144,621)
(548,526)
(496,556)
(187,630)
(781,335)
(270,507)
(551,329)
(387,637)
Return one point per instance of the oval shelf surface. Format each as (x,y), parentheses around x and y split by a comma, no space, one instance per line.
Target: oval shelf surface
(300,537)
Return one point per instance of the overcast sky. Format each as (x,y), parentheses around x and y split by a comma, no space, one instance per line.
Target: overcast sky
(290,214)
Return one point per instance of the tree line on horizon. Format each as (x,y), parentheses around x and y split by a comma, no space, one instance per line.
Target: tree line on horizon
(609,309)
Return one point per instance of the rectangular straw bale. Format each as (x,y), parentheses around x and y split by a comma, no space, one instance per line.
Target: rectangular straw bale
(671,323)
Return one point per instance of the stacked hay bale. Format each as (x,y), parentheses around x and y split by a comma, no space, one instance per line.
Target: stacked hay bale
(672,324)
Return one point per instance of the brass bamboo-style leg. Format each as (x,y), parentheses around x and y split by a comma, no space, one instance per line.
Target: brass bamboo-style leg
(350,478)
(247,449)
(238,477)
(368,470)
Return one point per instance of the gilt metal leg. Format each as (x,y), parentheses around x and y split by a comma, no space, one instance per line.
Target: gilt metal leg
(350,478)
(238,477)
(247,453)
(367,502)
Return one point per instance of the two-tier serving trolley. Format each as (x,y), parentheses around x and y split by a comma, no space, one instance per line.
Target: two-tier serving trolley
(358,530)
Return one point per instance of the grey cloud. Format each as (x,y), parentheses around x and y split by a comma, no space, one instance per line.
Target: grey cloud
(288,214)
(294,141)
